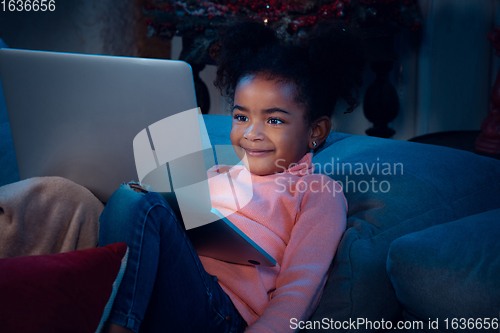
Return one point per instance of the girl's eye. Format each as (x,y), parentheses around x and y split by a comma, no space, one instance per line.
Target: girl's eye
(240,117)
(275,121)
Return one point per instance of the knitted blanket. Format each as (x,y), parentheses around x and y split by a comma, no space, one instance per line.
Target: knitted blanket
(46,215)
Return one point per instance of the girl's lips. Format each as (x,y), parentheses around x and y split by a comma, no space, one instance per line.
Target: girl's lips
(256,152)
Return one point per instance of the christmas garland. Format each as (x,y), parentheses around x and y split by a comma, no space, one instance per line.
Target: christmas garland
(292,20)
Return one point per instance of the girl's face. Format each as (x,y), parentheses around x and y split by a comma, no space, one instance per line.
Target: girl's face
(268,125)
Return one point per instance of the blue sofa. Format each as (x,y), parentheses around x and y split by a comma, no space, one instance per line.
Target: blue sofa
(422,242)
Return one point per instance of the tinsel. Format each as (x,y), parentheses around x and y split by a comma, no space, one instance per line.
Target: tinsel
(200,20)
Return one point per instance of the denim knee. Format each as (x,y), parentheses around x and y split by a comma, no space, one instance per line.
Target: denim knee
(125,209)
(130,200)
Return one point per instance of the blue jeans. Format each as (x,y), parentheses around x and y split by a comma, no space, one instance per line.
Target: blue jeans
(165,287)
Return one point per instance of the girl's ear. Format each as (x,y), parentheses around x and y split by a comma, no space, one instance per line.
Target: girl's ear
(319,131)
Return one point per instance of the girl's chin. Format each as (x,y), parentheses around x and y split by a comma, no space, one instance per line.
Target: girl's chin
(262,173)
(261,170)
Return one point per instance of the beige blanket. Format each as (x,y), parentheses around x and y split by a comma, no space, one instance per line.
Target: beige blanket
(47,215)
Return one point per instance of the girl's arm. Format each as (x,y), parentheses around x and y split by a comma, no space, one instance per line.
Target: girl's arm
(319,226)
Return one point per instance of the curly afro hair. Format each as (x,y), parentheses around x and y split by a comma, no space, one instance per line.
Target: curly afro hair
(324,67)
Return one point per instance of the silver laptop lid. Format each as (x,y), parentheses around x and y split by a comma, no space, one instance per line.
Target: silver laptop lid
(76,115)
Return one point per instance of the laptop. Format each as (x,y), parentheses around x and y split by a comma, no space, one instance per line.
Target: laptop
(76,116)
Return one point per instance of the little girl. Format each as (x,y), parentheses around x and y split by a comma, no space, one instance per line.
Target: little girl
(283,97)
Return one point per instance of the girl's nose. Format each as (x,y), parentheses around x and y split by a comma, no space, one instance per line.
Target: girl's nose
(254,132)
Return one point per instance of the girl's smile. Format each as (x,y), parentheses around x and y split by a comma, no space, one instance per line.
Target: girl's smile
(268,124)
(256,152)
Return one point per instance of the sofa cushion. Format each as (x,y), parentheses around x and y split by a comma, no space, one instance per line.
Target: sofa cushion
(393,188)
(218,128)
(63,292)
(449,271)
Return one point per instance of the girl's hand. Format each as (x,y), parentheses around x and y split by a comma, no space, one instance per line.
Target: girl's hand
(223,169)
(138,188)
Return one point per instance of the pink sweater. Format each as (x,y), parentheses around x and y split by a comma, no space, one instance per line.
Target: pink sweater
(297,217)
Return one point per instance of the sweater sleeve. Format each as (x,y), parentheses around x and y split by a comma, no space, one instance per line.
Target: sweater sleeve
(319,225)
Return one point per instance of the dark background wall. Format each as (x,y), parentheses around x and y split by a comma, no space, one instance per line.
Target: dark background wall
(443,85)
